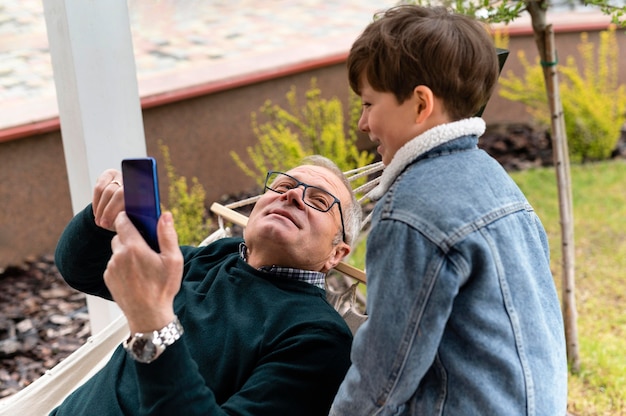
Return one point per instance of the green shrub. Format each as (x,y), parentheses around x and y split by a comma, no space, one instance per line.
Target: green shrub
(191,220)
(594,104)
(315,128)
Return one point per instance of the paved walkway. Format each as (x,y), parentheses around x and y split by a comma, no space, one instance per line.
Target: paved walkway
(170,35)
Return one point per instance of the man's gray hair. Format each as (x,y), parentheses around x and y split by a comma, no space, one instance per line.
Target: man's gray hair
(352,214)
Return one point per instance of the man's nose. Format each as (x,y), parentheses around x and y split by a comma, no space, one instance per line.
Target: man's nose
(296,196)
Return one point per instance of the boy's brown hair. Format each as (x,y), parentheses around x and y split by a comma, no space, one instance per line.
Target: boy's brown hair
(411,45)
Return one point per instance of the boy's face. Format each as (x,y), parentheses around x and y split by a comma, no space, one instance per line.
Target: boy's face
(389,124)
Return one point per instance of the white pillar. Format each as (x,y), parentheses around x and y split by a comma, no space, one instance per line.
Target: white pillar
(99,106)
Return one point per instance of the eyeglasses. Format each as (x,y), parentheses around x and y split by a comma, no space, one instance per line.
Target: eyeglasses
(313,196)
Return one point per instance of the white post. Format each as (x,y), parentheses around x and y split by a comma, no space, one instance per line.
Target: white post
(99,106)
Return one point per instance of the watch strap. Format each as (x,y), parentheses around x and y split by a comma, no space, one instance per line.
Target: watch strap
(170,333)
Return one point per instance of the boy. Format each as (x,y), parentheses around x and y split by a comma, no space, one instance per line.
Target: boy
(464,317)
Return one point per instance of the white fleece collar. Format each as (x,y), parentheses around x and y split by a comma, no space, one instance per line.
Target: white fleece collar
(423,143)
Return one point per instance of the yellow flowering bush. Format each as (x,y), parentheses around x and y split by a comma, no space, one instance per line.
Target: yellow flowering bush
(318,127)
(594,104)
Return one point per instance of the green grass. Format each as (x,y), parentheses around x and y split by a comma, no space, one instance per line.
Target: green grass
(599,193)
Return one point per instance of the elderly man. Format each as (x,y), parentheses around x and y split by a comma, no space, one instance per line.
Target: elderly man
(241,326)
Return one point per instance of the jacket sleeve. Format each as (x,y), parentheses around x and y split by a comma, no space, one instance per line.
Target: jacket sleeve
(411,289)
(82,254)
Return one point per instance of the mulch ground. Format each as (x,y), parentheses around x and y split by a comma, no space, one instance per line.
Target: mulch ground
(42,321)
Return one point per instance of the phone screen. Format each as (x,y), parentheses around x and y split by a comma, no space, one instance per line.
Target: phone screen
(141,197)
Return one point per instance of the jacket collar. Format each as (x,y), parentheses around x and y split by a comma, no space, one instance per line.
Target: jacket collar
(421,144)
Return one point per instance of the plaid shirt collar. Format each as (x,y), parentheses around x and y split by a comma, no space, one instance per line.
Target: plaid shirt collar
(308,276)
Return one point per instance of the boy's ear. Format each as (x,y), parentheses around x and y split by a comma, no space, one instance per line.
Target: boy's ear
(424,103)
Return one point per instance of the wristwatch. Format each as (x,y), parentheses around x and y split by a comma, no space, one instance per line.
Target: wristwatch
(146,347)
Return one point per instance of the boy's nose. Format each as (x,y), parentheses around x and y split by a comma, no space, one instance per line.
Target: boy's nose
(362,124)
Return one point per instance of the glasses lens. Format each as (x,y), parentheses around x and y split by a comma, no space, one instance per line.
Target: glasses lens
(279,182)
(313,196)
(318,198)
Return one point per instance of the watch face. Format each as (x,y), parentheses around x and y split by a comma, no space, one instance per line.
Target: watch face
(144,349)
(147,347)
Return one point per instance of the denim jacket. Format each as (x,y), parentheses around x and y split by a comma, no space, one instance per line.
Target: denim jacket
(464,318)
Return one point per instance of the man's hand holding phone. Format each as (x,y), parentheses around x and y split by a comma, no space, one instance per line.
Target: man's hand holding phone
(142,281)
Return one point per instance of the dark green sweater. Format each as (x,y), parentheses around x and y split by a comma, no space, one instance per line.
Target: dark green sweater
(254,344)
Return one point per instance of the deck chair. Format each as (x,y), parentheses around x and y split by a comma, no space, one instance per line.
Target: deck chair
(47,392)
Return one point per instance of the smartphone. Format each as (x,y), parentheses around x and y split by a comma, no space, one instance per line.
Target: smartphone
(141,197)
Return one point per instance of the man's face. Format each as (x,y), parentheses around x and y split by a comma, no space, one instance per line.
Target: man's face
(282,230)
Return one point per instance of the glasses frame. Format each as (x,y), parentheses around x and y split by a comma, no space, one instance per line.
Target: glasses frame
(305,186)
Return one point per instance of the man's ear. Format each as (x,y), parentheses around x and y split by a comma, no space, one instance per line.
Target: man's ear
(340,251)
(424,103)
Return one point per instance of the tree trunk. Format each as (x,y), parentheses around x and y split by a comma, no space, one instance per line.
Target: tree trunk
(544,38)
